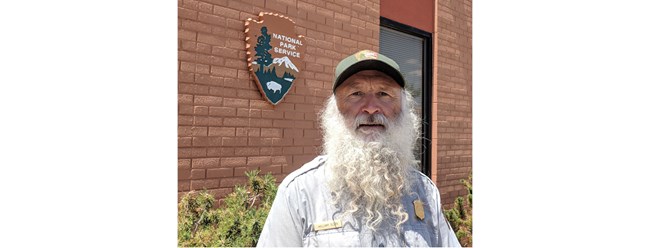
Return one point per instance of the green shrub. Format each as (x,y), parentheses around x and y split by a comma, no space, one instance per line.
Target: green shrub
(460,216)
(238,222)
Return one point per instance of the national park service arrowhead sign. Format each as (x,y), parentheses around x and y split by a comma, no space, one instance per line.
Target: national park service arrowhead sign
(274,53)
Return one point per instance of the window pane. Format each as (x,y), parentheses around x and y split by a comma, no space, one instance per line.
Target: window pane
(407,51)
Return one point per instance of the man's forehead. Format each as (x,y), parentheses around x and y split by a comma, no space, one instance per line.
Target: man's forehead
(363,77)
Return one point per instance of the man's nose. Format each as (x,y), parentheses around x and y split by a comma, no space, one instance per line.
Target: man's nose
(371,105)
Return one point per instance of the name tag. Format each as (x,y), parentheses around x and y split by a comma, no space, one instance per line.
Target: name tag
(327,225)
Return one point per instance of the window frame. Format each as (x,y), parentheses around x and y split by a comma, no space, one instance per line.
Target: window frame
(427,87)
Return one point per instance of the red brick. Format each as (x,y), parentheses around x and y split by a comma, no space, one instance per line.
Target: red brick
(212,19)
(222,111)
(203,48)
(217,152)
(220,172)
(192,88)
(223,72)
(273,169)
(294,99)
(205,7)
(306,6)
(272,114)
(202,69)
(254,141)
(211,39)
(341,17)
(185,77)
(184,141)
(260,104)
(292,133)
(292,150)
(306,142)
(192,4)
(202,163)
(207,121)
(281,159)
(315,17)
(240,171)
(234,102)
(188,66)
(184,163)
(271,132)
(184,131)
(204,184)
(186,35)
(225,12)
(221,91)
(276,6)
(235,141)
(195,26)
(248,94)
(185,99)
(247,131)
(187,13)
(294,12)
(199,131)
(206,141)
(197,174)
(200,110)
(312,133)
(233,162)
(231,182)
(242,112)
(282,141)
(184,185)
(191,152)
(259,161)
(208,100)
(221,131)
(244,73)
(208,60)
(294,116)
(270,150)
(236,122)
(324,12)
(209,80)
(307,108)
(286,169)
(247,151)
(226,52)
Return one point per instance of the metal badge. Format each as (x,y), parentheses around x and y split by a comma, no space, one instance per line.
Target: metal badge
(328,225)
(419,209)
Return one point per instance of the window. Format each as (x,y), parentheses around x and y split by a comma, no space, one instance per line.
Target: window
(411,49)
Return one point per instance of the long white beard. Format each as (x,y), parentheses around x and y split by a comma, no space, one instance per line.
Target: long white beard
(369,171)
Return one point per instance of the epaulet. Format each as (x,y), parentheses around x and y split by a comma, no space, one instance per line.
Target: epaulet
(309,166)
(421,176)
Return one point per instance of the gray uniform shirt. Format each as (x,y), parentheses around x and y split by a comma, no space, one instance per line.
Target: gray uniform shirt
(303,215)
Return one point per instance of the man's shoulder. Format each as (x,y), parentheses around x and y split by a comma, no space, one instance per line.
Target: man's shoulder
(424,179)
(306,170)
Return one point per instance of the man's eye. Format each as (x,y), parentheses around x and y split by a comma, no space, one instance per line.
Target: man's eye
(358,93)
(381,93)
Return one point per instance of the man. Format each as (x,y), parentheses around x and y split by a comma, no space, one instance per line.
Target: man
(366,190)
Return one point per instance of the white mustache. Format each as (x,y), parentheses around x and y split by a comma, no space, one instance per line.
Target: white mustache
(368,119)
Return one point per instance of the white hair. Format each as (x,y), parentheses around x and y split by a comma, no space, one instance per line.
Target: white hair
(369,177)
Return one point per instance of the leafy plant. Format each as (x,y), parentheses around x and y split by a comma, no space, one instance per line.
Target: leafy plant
(238,223)
(460,216)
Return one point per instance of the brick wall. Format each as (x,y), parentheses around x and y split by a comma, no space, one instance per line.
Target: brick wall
(452,100)
(224,126)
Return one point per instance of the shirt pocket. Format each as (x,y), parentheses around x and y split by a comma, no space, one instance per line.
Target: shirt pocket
(419,236)
(335,237)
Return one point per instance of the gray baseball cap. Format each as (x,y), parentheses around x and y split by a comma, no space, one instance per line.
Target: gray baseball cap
(366,60)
